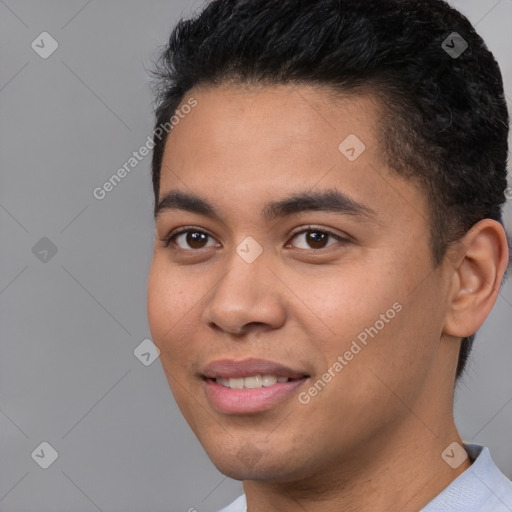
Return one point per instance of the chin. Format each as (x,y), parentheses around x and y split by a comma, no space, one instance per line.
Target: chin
(248,463)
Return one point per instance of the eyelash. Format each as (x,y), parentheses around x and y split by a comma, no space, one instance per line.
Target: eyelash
(190,229)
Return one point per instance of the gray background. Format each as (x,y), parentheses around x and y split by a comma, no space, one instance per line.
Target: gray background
(68,375)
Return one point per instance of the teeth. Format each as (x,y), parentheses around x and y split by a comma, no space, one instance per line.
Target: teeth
(269,380)
(236,383)
(223,382)
(252,382)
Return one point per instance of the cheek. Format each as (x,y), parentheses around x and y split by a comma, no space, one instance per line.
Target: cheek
(400,347)
(348,301)
(157,302)
(166,305)
(166,310)
(372,305)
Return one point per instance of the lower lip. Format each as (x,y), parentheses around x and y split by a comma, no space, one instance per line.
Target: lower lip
(243,401)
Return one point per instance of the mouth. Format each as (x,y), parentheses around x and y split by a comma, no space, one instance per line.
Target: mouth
(252,382)
(249,386)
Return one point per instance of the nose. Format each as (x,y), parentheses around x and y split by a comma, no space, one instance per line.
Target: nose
(248,296)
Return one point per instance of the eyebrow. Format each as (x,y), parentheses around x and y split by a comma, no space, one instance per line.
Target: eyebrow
(330,200)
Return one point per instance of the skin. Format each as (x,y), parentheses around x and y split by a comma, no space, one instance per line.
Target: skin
(372,439)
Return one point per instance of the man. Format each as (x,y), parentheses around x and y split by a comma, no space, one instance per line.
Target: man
(328,179)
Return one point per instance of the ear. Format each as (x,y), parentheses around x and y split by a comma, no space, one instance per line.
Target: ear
(477,275)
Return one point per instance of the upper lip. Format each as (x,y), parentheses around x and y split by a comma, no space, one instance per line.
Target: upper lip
(231,368)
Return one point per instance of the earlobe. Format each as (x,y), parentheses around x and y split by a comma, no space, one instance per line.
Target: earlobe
(477,278)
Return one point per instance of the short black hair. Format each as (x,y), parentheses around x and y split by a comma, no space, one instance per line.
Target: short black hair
(445,121)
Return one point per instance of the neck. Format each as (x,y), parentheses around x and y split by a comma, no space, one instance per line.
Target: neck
(401,470)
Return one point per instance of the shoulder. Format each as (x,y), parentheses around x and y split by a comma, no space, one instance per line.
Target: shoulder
(481,487)
(239,505)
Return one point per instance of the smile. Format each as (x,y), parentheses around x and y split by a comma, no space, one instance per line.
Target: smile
(252,382)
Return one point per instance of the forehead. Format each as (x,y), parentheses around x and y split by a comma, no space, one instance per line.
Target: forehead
(278,129)
(243,145)
(239,113)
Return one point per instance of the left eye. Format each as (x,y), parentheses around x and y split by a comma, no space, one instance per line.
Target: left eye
(316,238)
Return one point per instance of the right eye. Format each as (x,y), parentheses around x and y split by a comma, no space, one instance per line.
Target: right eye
(195,238)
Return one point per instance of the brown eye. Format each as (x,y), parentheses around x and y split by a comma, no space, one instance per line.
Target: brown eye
(189,239)
(317,238)
(195,239)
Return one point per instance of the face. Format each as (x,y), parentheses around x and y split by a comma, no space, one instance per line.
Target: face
(295,297)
